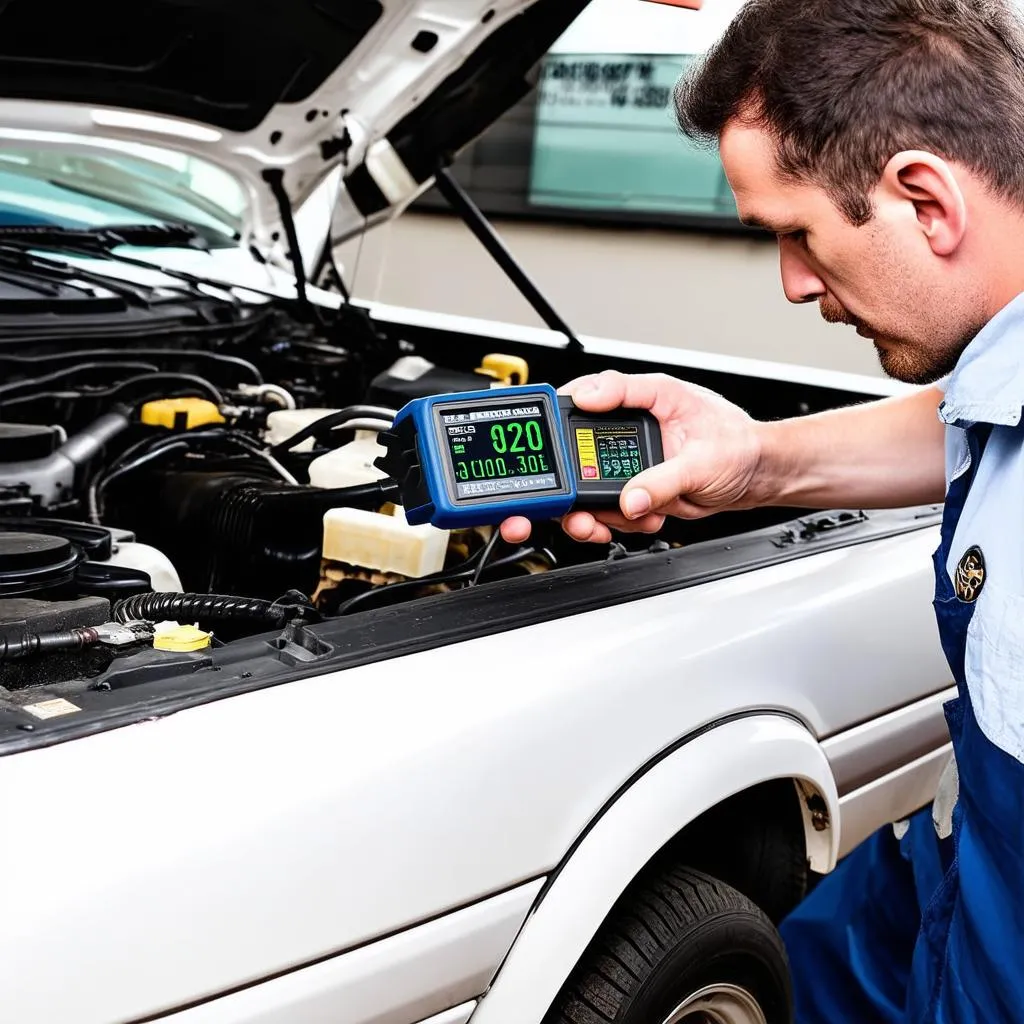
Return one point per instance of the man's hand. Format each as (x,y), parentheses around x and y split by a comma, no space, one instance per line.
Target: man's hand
(712,451)
(883,454)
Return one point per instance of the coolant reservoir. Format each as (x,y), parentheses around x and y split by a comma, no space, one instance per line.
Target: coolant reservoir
(349,465)
(386,544)
(133,555)
(285,423)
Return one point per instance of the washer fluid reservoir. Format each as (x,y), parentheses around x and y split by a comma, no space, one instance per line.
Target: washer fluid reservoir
(349,465)
(285,423)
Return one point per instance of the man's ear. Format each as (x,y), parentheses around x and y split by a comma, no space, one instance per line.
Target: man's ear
(928,182)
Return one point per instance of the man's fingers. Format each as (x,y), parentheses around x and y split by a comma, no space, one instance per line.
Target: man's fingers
(516,530)
(645,524)
(582,526)
(597,528)
(610,389)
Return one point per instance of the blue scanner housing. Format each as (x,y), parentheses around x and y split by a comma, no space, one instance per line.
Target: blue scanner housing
(508,428)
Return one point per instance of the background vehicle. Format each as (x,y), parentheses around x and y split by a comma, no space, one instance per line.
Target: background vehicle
(531,785)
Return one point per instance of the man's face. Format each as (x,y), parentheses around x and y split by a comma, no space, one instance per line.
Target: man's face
(882,278)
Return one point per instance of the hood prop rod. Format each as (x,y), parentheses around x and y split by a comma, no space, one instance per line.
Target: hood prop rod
(471,215)
(274,177)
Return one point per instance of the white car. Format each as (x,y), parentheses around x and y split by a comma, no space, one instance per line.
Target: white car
(385,773)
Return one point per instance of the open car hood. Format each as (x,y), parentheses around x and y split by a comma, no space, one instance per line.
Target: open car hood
(357,100)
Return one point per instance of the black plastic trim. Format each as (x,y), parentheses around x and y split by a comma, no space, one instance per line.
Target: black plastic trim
(154,684)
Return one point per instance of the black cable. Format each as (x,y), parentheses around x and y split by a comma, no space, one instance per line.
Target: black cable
(100,484)
(78,356)
(130,459)
(463,571)
(188,379)
(485,555)
(79,368)
(322,426)
(160,439)
(187,382)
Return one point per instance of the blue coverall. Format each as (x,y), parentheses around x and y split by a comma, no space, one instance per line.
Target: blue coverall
(926,924)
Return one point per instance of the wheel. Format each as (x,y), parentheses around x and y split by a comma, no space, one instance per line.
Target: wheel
(750,842)
(680,947)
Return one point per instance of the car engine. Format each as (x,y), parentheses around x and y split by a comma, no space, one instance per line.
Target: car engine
(176,473)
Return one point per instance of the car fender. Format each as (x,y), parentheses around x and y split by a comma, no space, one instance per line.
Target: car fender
(688,780)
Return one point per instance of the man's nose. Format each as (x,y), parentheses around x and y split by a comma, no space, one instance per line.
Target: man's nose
(799,280)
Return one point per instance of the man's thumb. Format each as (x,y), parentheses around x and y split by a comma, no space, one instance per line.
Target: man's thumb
(656,487)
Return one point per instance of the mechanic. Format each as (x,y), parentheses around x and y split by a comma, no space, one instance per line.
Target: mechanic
(882,142)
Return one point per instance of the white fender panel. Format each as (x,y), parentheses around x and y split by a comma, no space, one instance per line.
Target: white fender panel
(702,773)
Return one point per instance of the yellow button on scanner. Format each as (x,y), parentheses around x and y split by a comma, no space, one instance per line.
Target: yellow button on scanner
(182,413)
(181,638)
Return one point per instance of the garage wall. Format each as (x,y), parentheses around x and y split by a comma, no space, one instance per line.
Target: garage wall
(701,291)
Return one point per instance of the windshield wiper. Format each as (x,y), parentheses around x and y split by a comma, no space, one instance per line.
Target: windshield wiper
(106,238)
(41,273)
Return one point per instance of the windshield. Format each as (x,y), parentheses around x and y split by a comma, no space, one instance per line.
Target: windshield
(95,188)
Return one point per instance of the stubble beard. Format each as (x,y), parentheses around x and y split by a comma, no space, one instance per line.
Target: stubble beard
(899,358)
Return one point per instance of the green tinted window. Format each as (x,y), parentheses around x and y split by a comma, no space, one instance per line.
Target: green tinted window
(605,139)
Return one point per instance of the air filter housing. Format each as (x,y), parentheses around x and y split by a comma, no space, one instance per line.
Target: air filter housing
(38,564)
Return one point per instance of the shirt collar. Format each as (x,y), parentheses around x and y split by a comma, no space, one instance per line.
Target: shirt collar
(987,384)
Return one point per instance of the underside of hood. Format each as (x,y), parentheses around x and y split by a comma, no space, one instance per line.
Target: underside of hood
(365,98)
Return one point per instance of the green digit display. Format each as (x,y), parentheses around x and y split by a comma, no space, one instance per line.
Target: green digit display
(517,444)
(533,438)
(498,451)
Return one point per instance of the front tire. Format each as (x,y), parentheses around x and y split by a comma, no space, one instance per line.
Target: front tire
(680,947)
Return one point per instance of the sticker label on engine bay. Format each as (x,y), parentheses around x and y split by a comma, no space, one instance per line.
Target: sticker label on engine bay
(51,708)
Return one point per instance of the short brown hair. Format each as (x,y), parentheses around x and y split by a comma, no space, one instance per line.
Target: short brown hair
(844,85)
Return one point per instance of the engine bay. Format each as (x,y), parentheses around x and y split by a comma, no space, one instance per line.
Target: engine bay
(180,469)
(187,468)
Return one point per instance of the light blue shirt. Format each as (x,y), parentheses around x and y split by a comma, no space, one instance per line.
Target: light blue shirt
(987,386)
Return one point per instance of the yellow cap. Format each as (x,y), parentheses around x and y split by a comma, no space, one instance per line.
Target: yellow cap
(508,369)
(181,638)
(180,412)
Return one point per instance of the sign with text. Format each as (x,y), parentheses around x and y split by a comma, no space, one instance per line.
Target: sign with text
(606,137)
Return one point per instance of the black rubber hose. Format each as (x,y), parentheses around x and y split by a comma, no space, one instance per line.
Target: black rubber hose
(188,380)
(182,381)
(328,420)
(76,371)
(116,354)
(207,608)
(44,643)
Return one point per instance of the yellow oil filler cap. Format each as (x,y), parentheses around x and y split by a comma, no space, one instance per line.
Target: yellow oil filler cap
(508,369)
(180,413)
(181,638)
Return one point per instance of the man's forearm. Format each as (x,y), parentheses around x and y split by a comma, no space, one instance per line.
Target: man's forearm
(883,454)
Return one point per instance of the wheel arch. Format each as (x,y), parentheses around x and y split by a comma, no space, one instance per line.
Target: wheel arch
(647,820)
